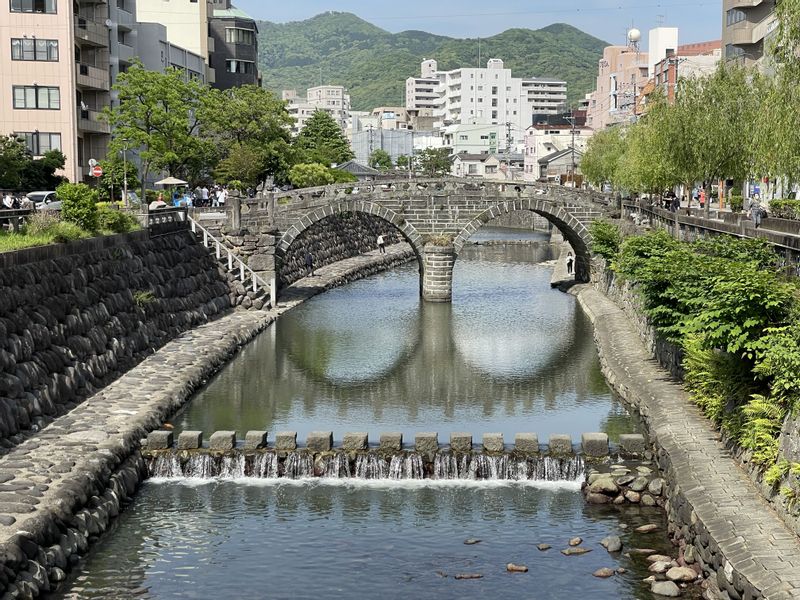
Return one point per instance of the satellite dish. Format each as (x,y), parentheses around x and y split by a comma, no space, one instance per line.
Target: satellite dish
(634,35)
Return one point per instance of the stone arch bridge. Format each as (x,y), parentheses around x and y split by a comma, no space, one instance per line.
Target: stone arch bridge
(435,216)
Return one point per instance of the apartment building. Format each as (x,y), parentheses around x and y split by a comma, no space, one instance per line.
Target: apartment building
(333,99)
(484,96)
(623,72)
(545,139)
(747,26)
(689,61)
(234,56)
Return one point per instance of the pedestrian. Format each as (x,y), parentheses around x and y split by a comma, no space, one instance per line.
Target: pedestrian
(381,244)
(309,264)
(757,211)
(570,262)
(8,202)
(204,195)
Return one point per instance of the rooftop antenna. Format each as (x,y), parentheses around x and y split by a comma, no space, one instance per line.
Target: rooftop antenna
(660,20)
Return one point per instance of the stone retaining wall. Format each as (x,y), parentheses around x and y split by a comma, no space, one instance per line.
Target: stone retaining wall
(73,322)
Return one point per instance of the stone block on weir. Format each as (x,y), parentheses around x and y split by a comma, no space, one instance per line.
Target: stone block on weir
(461,442)
(391,442)
(632,444)
(352,442)
(427,443)
(222,441)
(594,444)
(286,441)
(159,440)
(560,444)
(253,440)
(526,443)
(320,441)
(493,442)
(190,440)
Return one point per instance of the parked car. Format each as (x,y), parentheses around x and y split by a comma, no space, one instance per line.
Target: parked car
(45,200)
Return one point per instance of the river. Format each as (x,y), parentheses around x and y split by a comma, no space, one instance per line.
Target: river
(508,355)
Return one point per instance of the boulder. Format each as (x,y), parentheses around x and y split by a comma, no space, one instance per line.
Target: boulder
(665,588)
(639,484)
(689,554)
(633,497)
(604,573)
(681,574)
(593,498)
(649,528)
(512,568)
(576,541)
(604,485)
(612,543)
(656,487)
(660,566)
(575,551)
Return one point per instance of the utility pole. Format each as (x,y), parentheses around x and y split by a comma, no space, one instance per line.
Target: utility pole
(509,140)
(571,121)
(370,128)
(125,173)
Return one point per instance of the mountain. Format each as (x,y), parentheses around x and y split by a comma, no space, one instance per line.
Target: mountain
(340,48)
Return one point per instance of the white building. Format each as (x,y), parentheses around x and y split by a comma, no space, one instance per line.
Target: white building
(333,99)
(483,96)
(662,41)
(543,140)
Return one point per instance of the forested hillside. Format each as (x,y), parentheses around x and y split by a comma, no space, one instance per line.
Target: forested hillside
(340,48)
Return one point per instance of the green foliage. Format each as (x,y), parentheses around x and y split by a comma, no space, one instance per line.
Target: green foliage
(775,474)
(78,204)
(322,141)
(374,64)
(116,221)
(636,251)
(380,160)
(785,209)
(441,239)
(342,176)
(403,161)
(19,171)
(306,175)
(41,229)
(13,159)
(736,202)
(115,171)
(433,162)
(755,250)
(66,231)
(606,239)
(600,162)
(142,298)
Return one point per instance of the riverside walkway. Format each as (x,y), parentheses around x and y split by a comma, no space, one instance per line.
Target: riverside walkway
(742,533)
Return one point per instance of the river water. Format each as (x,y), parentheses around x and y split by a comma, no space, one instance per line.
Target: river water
(508,355)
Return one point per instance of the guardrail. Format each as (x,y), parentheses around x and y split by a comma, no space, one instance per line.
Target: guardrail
(14,219)
(209,241)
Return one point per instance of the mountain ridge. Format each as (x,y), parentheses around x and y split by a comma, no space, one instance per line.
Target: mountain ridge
(340,48)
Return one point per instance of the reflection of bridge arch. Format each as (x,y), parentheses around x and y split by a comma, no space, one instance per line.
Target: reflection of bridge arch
(573,230)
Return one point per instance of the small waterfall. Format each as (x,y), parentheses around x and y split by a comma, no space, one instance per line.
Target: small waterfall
(550,468)
(165,465)
(370,466)
(265,466)
(407,466)
(232,467)
(448,466)
(201,466)
(483,466)
(298,465)
(337,466)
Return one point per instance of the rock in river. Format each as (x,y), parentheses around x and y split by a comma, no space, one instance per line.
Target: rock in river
(646,528)
(681,574)
(665,588)
(512,568)
(470,576)
(575,551)
(612,543)
(543,547)
(576,541)
(604,573)
(472,541)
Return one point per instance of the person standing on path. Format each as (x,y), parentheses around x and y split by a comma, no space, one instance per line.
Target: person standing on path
(309,264)
(756,212)
(381,245)
(570,262)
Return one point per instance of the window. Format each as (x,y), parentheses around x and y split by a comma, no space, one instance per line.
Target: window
(240,66)
(494,90)
(463,138)
(34,6)
(732,51)
(39,143)
(234,35)
(473,169)
(494,114)
(30,49)
(36,97)
(734,16)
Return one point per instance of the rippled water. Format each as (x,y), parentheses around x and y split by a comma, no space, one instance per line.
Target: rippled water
(508,355)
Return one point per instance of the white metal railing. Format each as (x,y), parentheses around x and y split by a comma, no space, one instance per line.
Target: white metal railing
(219,246)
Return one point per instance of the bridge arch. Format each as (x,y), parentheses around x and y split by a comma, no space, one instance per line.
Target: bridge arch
(367,207)
(562,218)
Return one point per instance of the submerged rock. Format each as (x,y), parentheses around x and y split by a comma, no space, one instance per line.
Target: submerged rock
(469,576)
(646,528)
(576,541)
(659,558)
(604,573)
(665,588)
(472,541)
(612,543)
(543,547)
(575,551)
(512,568)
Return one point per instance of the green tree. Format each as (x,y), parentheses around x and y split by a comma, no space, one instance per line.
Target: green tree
(603,154)
(310,175)
(13,159)
(115,171)
(78,204)
(40,173)
(322,141)
(380,160)
(251,129)
(403,161)
(162,115)
(433,162)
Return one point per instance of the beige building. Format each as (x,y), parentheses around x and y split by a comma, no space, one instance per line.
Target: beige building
(56,78)
(186,21)
(333,99)
(622,74)
(543,140)
(746,28)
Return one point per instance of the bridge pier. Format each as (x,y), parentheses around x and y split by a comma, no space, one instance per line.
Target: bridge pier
(437,274)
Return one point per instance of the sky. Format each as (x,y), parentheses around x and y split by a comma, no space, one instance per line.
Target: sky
(698,20)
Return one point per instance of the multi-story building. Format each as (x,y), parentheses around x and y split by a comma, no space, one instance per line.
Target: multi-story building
(544,139)
(186,21)
(234,55)
(747,26)
(691,60)
(333,99)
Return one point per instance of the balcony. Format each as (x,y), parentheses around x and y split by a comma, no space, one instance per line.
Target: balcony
(91,32)
(746,33)
(124,19)
(745,3)
(126,53)
(92,78)
(89,121)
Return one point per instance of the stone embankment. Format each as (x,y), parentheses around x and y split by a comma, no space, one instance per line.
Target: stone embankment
(74,317)
(61,488)
(717,515)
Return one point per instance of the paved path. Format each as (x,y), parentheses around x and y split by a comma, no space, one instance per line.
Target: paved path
(46,475)
(751,536)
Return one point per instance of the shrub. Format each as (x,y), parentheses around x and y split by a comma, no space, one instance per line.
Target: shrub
(68,232)
(42,222)
(736,202)
(78,204)
(305,175)
(606,239)
(441,239)
(785,209)
(116,221)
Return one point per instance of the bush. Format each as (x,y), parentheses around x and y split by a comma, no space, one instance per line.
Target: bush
(78,204)
(606,239)
(736,202)
(42,222)
(785,209)
(306,175)
(65,232)
(116,221)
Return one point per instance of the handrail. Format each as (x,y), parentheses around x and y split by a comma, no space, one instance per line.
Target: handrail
(208,239)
